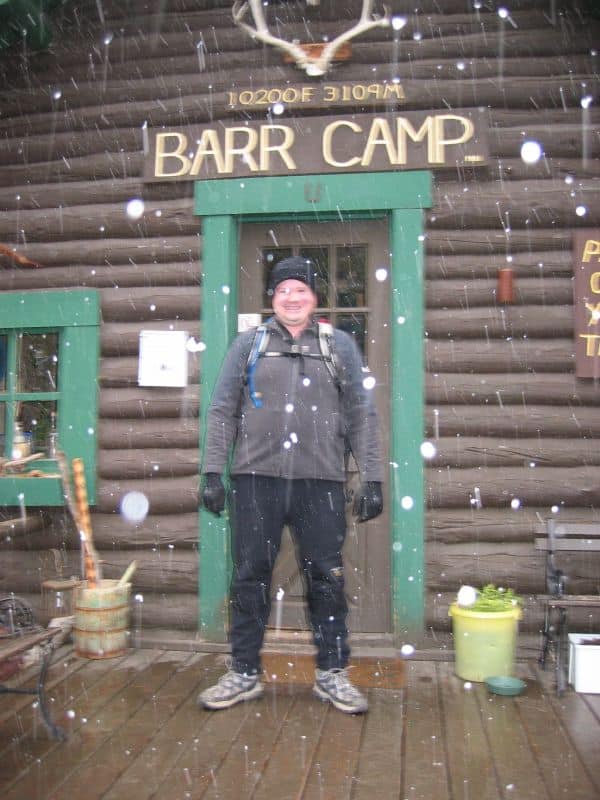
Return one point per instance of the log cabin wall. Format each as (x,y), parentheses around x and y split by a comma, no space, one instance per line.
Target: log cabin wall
(516,433)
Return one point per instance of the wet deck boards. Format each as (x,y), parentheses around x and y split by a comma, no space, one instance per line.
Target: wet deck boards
(135,733)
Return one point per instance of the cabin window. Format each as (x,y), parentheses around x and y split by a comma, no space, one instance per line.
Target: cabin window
(48,391)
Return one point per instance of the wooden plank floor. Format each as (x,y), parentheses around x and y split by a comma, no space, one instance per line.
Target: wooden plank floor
(135,732)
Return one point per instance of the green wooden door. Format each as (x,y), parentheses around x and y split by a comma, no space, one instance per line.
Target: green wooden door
(353,264)
(399,198)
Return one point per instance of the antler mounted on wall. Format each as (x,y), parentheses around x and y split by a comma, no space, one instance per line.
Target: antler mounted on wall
(313,66)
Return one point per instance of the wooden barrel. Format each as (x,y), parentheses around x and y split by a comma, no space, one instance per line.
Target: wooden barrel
(101,619)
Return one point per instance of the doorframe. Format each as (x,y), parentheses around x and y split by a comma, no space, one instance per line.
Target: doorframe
(223,205)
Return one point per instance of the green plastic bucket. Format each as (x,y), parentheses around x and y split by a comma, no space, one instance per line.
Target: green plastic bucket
(101,619)
(485,642)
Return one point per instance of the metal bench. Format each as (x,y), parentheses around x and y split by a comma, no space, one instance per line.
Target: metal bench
(14,644)
(554,538)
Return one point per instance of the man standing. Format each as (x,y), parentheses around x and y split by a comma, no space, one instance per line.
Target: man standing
(290,409)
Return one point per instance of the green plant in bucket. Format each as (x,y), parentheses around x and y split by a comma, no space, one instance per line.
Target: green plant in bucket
(489,598)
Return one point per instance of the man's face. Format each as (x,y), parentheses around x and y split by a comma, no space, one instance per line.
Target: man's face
(294,303)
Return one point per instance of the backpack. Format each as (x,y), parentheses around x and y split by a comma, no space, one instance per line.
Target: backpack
(259,349)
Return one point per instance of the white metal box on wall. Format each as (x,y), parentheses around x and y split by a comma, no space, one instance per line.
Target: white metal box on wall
(163,358)
(584,662)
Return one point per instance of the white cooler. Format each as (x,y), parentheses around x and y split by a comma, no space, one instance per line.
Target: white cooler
(584,662)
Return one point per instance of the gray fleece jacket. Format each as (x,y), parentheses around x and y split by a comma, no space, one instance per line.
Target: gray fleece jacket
(305,420)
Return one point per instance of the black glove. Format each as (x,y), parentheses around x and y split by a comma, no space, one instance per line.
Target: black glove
(213,494)
(368,502)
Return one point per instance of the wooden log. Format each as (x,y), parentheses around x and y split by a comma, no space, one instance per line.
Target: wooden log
(466,293)
(19,531)
(540,321)
(116,372)
(71,193)
(473,451)
(561,388)
(166,569)
(532,264)
(454,525)
(165,495)
(178,612)
(497,355)
(137,250)
(150,303)
(163,218)
(184,273)
(155,463)
(513,421)
(514,565)
(122,338)
(518,204)
(149,403)
(180,432)
(510,168)
(113,532)
(99,166)
(498,487)
(490,240)
(563,141)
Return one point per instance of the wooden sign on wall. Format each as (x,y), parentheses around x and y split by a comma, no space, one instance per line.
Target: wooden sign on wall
(586,300)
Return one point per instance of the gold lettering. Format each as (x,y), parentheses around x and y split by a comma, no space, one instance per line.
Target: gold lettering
(437,142)
(375,89)
(208,145)
(595,282)
(266,147)
(379,133)
(592,248)
(592,343)
(308,93)
(393,90)
(245,150)
(594,313)
(162,153)
(327,141)
(330,93)
(404,127)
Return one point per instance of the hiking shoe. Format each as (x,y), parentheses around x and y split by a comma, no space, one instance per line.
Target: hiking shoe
(333,685)
(231,688)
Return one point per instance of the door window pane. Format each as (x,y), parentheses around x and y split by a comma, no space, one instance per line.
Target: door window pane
(37,420)
(319,255)
(37,362)
(356,325)
(351,276)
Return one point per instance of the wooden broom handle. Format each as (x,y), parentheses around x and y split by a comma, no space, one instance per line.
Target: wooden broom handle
(92,569)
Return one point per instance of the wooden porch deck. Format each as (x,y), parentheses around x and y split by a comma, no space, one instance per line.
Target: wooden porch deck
(134,731)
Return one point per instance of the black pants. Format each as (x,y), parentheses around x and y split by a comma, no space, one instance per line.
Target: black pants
(314,511)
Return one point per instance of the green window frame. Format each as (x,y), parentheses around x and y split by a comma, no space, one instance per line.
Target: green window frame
(74,316)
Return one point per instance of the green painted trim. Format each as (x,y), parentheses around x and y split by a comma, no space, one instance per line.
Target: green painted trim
(34,491)
(75,314)
(406,436)
(78,405)
(314,194)
(49,309)
(402,196)
(219,326)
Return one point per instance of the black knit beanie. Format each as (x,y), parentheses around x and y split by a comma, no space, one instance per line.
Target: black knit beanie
(294,267)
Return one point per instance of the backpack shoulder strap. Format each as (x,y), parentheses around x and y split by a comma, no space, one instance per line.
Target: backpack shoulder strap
(259,345)
(328,350)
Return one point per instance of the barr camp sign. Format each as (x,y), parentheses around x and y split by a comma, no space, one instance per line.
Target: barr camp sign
(316,145)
